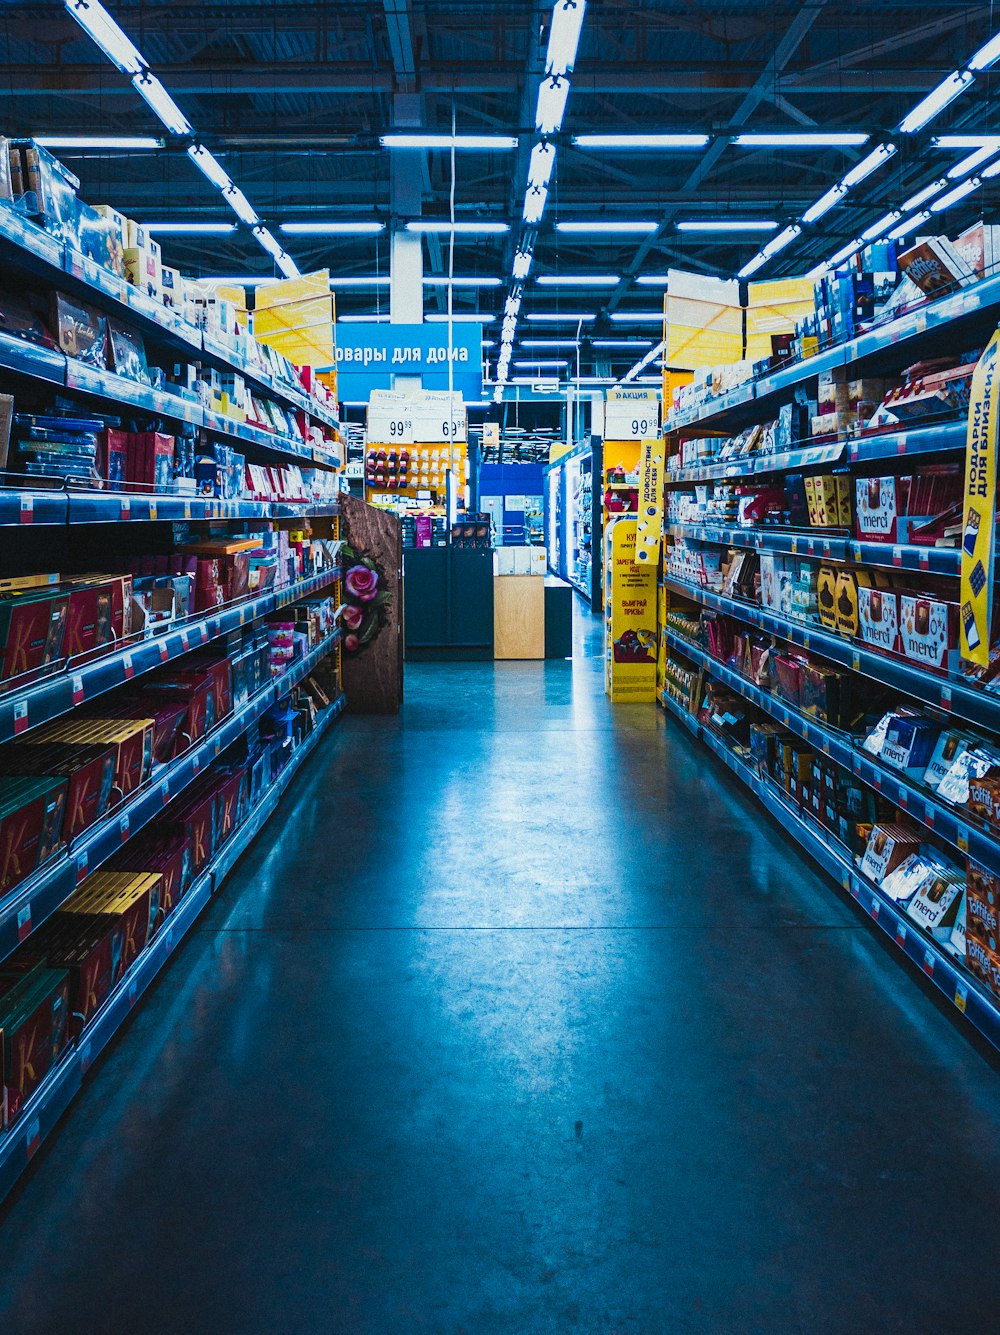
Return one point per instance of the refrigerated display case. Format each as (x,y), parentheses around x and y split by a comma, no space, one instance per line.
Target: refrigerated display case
(573,519)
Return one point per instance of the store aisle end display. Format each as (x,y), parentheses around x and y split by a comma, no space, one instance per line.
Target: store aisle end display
(170,616)
(826,619)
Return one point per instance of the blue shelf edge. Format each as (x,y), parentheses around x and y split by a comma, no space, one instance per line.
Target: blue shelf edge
(43,1110)
(959,987)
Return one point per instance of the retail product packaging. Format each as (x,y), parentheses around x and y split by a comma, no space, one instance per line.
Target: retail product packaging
(823,693)
(982,963)
(172,287)
(82,331)
(903,882)
(115,237)
(946,749)
(32,630)
(131,739)
(129,903)
(935,265)
(193,817)
(888,846)
(82,945)
(846,597)
(826,596)
(908,742)
(54,187)
(936,903)
(166,853)
(88,772)
(982,911)
(828,500)
(31,824)
(34,1020)
(878,618)
(98,613)
(93,235)
(150,460)
(928,632)
(143,268)
(979,248)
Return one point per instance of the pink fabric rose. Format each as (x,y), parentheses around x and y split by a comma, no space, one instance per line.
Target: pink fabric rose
(352,617)
(351,643)
(362,583)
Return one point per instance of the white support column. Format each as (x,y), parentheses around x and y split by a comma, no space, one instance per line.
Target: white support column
(406,256)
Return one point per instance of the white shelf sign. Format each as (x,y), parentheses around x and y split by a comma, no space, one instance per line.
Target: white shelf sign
(390,418)
(438,416)
(631,414)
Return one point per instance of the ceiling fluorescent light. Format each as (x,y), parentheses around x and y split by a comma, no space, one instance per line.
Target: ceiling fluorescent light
(922,196)
(489,342)
(992,170)
(624,228)
(551,106)
(288,266)
(953,196)
(535,198)
(970,163)
(727,225)
(161,103)
(986,55)
(819,270)
(753,265)
(237,280)
(509,328)
(102,28)
(963,140)
(123,142)
(560,317)
(209,165)
(549,343)
(190,228)
(332,228)
(461,317)
(936,100)
(437,226)
(780,241)
(818,139)
(867,165)
(269,241)
(358,280)
(528,364)
(845,252)
(640,140)
(879,228)
(540,164)
(908,225)
(442,280)
(522,264)
(633,344)
(486,142)
(363,319)
(511,306)
(825,203)
(653,279)
(636,317)
(577,280)
(564,35)
(241,206)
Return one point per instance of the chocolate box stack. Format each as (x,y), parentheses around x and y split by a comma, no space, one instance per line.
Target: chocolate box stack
(31,825)
(88,772)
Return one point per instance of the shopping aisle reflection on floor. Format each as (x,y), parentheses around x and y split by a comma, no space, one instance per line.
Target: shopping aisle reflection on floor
(520,1018)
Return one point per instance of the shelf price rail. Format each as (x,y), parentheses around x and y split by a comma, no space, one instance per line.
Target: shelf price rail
(54,1095)
(48,507)
(67,689)
(934,962)
(35,899)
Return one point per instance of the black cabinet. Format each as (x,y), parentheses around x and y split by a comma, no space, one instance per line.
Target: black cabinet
(448,603)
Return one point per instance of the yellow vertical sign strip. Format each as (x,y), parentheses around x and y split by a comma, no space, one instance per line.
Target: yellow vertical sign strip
(647,543)
(978,536)
(630,628)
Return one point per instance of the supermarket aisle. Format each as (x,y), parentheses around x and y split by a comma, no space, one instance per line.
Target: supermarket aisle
(538,1032)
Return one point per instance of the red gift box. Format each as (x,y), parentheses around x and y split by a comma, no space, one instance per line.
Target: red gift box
(31,824)
(89,772)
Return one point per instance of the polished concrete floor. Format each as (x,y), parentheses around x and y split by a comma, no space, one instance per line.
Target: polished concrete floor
(521,1019)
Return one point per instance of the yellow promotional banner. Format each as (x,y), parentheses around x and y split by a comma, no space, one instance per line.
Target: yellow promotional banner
(296,318)
(978,534)
(630,617)
(647,545)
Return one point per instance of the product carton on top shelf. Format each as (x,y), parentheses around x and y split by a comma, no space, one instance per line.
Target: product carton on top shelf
(935,265)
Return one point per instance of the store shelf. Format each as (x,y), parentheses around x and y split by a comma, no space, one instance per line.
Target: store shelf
(980,1008)
(946,693)
(71,687)
(301,668)
(928,560)
(32,506)
(85,506)
(28,246)
(19,1146)
(896,342)
(809,456)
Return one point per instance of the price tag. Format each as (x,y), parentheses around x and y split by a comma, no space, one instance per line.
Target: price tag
(901,445)
(856,661)
(164,651)
(856,889)
(152,509)
(875,908)
(635,416)
(187,509)
(78,694)
(928,963)
(196,763)
(27,512)
(185,642)
(165,791)
(133,992)
(390,420)
(20,717)
(32,1138)
(923,559)
(897,556)
(900,933)
(795,546)
(82,863)
(85,1057)
(961,996)
(929,816)
(127,665)
(963,839)
(24,922)
(805,640)
(946,698)
(126,508)
(902,798)
(123,826)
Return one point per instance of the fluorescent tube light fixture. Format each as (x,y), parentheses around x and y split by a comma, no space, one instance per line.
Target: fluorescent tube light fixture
(549,343)
(560,317)
(358,280)
(564,35)
(442,280)
(535,199)
(908,225)
(953,196)
(122,142)
(825,203)
(209,166)
(527,364)
(867,165)
(522,264)
(607,228)
(191,228)
(817,139)
(922,196)
(552,94)
(782,240)
(679,141)
(970,163)
(460,317)
(161,103)
(845,252)
(636,317)
(577,280)
(935,101)
(986,55)
(540,165)
(879,228)
(727,225)
(102,28)
(485,142)
(632,344)
(751,266)
(333,228)
(431,226)
(241,206)
(511,306)
(653,279)
(363,319)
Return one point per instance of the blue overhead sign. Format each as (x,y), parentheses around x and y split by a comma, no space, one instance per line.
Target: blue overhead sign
(370,356)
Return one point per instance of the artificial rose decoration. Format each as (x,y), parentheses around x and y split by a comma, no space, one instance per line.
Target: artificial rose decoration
(362,583)
(351,643)
(352,616)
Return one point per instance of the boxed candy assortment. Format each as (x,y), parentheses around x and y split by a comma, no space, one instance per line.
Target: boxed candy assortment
(889,508)
(34,1029)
